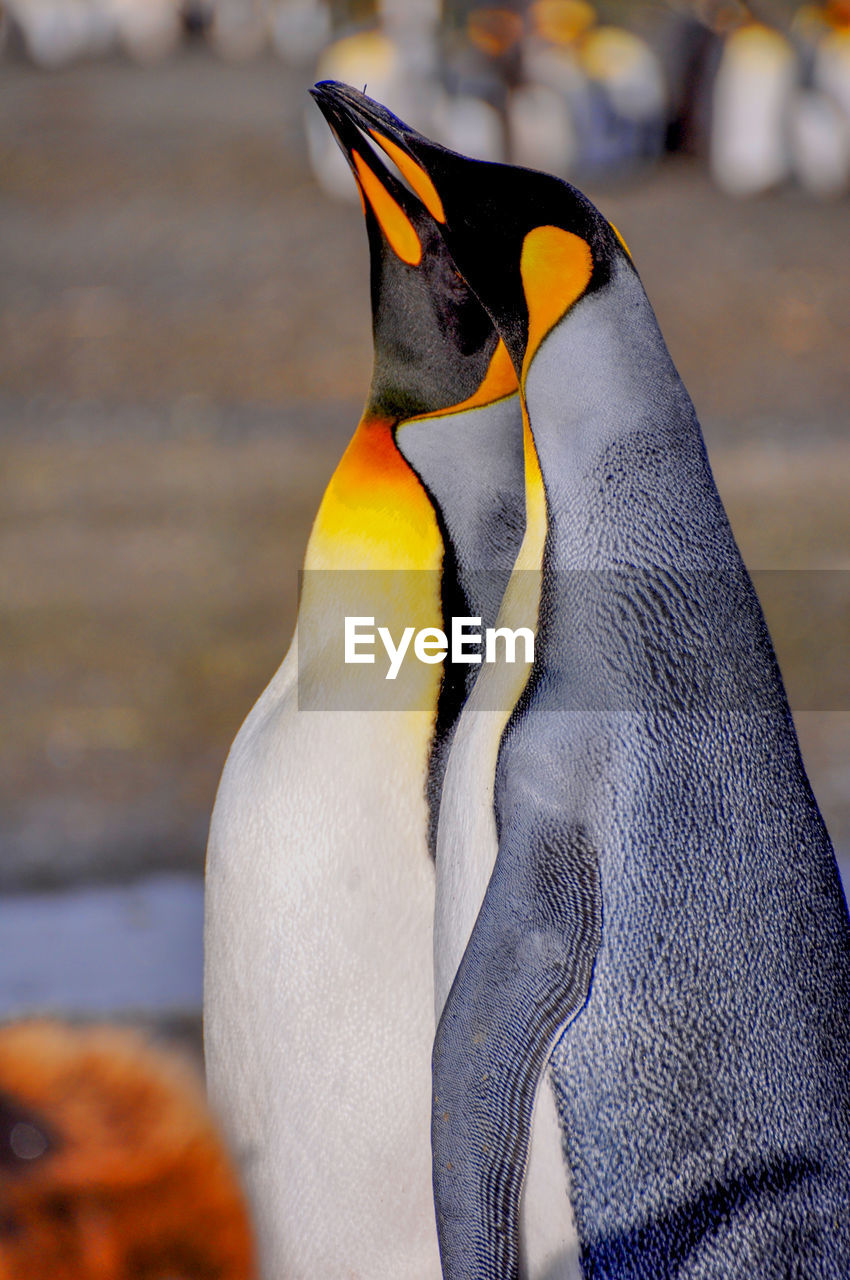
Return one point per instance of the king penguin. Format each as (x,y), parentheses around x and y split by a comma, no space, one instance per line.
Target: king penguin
(664,921)
(461,785)
(320,882)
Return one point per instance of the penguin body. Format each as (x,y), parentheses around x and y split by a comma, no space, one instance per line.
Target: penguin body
(664,923)
(715,1140)
(299,29)
(819,144)
(819,121)
(320,884)
(629,100)
(751,99)
(832,66)
(543,135)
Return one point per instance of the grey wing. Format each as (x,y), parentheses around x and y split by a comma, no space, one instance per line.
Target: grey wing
(524,976)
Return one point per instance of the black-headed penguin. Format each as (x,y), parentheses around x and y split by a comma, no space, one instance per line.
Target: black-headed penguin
(665,918)
(462,781)
(318,1008)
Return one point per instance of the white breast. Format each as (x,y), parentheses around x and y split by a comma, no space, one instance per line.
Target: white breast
(318,986)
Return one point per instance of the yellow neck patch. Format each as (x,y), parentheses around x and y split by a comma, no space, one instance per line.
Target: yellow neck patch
(375,513)
(415,175)
(393,221)
(620,238)
(375,520)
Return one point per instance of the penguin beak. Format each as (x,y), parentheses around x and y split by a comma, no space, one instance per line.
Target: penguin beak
(394,210)
(343,102)
(415,156)
(348,136)
(351,102)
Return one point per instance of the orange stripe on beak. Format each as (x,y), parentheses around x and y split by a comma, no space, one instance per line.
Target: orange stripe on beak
(394,222)
(415,174)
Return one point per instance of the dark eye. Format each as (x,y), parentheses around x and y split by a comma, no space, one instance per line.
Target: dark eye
(24,1138)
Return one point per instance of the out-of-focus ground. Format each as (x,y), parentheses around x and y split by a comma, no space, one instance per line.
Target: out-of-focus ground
(184,348)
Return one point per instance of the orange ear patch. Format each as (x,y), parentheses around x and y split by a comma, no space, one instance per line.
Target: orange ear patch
(556,267)
(415,174)
(394,222)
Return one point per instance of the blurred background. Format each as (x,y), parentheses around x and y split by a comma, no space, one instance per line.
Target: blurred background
(185,348)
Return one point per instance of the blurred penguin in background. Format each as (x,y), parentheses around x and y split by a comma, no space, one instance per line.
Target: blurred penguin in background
(55,33)
(628,86)
(593,99)
(299,29)
(480,64)
(110,1167)
(819,117)
(832,62)
(239,29)
(751,100)
(550,111)
(692,46)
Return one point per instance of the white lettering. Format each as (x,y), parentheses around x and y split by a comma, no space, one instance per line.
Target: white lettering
(395,655)
(510,638)
(461,638)
(353,639)
(431,644)
(431,638)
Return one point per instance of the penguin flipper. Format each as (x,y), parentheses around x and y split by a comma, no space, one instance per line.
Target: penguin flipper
(524,976)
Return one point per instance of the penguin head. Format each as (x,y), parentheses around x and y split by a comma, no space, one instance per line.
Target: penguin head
(529,244)
(434,341)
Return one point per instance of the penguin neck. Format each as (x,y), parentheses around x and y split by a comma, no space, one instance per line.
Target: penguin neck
(612,428)
(375,514)
(375,552)
(634,520)
(482,512)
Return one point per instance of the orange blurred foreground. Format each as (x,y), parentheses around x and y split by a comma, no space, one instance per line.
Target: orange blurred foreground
(110,1168)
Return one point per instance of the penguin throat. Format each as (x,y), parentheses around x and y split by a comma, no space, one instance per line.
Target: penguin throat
(499,381)
(375,553)
(375,513)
